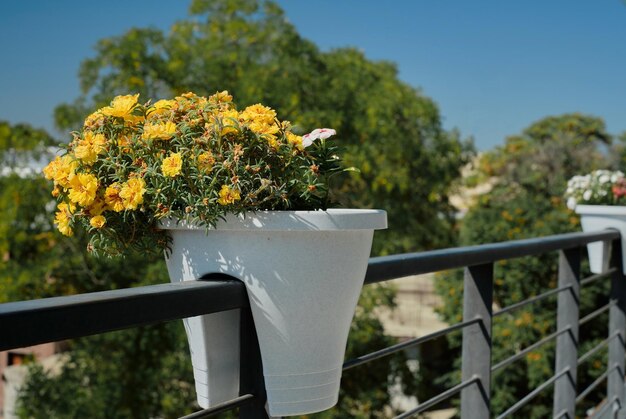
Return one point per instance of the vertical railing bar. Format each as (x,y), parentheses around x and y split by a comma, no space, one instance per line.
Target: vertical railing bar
(567,344)
(476,352)
(251,378)
(617,327)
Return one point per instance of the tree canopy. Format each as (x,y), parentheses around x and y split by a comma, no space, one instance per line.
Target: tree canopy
(390,131)
(529,175)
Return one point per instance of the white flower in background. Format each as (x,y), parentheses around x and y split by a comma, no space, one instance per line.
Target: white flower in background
(571,203)
(596,188)
(319,133)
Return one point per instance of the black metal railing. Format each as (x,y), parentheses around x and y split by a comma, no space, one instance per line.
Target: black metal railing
(32,322)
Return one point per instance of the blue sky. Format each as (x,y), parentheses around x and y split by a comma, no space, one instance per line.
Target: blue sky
(492,66)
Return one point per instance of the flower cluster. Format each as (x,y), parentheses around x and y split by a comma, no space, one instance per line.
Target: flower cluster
(601,187)
(192,158)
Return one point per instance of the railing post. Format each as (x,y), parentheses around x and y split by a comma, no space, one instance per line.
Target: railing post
(567,343)
(251,380)
(476,358)
(617,328)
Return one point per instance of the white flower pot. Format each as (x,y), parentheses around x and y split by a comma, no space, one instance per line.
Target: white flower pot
(303,271)
(601,217)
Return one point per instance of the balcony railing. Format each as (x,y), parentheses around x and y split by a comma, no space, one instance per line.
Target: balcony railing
(32,322)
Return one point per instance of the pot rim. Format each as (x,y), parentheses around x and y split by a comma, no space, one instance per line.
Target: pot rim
(600,209)
(329,220)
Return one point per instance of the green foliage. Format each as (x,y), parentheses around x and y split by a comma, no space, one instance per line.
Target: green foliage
(577,128)
(143,372)
(390,131)
(530,173)
(21,142)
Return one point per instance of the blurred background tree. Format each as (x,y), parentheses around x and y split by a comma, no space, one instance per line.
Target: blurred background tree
(389,130)
(529,176)
(409,166)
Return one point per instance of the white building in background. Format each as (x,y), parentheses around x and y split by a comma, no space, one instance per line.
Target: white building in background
(414,316)
(14,367)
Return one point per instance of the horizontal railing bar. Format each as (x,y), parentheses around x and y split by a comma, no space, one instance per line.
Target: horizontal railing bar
(531,300)
(220,408)
(596,313)
(27,323)
(437,399)
(596,348)
(561,414)
(595,277)
(517,406)
(595,384)
(528,349)
(401,346)
(397,266)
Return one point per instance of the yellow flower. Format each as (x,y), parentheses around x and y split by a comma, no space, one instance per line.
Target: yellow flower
(160,107)
(228,120)
(98,221)
(259,113)
(122,107)
(190,100)
(295,140)
(63,218)
(132,193)
(133,120)
(112,197)
(123,141)
(534,356)
(61,170)
(163,131)
(97,207)
(262,121)
(94,120)
(206,162)
(221,97)
(271,140)
(89,147)
(83,187)
(171,165)
(228,195)
(263,128)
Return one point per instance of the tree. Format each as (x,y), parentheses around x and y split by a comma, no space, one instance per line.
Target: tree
(390,131)
(37,262)
(530,173)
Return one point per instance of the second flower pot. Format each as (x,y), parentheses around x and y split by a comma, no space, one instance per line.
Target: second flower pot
(601,217)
